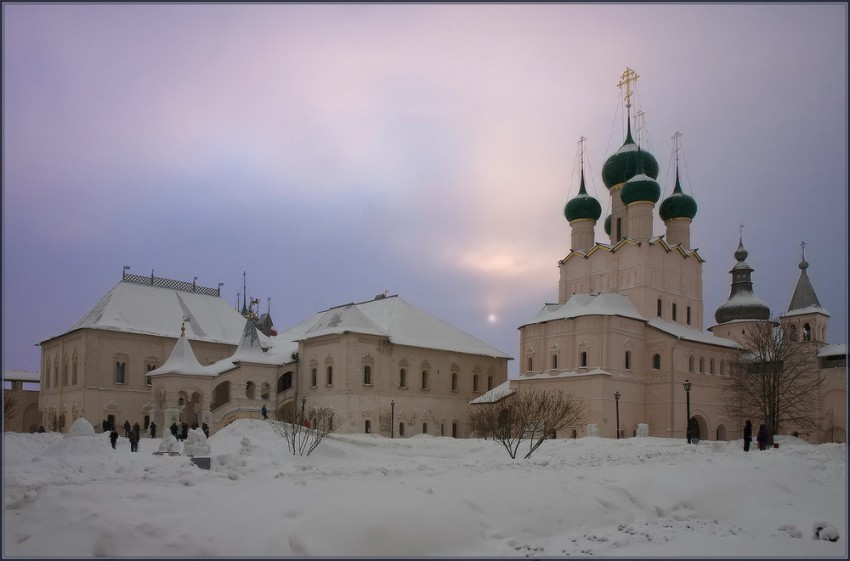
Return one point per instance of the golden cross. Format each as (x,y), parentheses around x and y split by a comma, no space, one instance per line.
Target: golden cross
(626,79)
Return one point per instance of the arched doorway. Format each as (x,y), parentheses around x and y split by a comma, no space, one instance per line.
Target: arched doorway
(721,432)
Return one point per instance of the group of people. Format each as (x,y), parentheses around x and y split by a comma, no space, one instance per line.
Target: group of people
(181,432)
(762,436)
(132,433)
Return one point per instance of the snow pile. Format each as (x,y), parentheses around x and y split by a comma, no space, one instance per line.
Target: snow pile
(642,430)
(370,496)
(81,427)
(196,443)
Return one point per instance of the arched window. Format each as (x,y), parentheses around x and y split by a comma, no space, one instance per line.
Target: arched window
(691,363)
(658,306)
(489,383)
(722,367)
(250,389)
(656,361)
(120,369)
(367,375)
(807,332)
(402,378)
(425,381)
(475,383)
(454,383)
(330,376)
(284,382)
(628,360)
(674,311)
(313,377)
(530,364)
(702,364)
(711,366)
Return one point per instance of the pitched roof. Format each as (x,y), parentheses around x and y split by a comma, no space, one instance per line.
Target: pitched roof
(804,293)
(392,317)
(157,310)
(182,360)
(603,304)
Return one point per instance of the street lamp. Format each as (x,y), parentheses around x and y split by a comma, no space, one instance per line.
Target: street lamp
(392,418)
(687,385)
(303,406)
(617,402)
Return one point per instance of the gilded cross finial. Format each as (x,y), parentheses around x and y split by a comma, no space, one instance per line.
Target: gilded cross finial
(626,79)
(675,137)
(803,248)
(581,140)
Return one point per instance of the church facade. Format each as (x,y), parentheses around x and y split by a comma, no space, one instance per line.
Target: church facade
(627,331)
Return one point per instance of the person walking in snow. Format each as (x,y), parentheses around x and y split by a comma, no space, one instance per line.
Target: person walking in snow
(113,438)
(206,428)
(174,429)
(761,437)
(153,429)
(184,433)
(127,429)
(265,412)
(134,440)
(748,436)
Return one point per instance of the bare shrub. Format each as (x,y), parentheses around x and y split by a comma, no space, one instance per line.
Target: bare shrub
(530,416)
(304,432)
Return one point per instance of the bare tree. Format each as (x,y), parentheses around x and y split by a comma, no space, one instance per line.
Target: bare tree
(304,434)
(530,416)
(10,407)
(775,380)
(830,426)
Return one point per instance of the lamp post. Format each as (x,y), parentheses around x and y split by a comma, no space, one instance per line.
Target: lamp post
(392,418)
(303,406)
(687,385)
(617,403)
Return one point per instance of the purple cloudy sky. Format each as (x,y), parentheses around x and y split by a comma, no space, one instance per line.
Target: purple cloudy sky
(337,151)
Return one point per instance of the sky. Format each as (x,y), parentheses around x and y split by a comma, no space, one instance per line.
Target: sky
(369,496)
(333,152)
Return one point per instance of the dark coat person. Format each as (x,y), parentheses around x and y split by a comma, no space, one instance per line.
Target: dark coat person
(761,437)
(748,436)
(184,432)
(113,438)
(206,428)
(174,429)
(127,429)
(40,428)
(153,429)
(134,440)
(265,412)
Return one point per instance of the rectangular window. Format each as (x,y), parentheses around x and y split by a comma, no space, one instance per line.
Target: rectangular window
(628,360)
(367,375)
(368,428)
(120,368)
(402,378)
(330,376)
(454,384)
(424,379)
(584,358)
(674,311)
(530,364)
(688,314)
(659,307)
(554,362)
(313,377)
(424,428)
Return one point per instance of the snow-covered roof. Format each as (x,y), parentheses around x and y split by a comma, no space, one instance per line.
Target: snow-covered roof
(604,304)
(691,334)
(498,393)
(182,360)
(156,310)
(833,350)
(391,317)
(806,310)
(21,375)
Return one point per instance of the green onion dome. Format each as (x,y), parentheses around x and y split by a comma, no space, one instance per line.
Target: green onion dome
(582,206)
(678,205)
(608,225)
(640,187)
(627,162)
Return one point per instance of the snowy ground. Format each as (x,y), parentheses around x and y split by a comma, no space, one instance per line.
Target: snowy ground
(364,495)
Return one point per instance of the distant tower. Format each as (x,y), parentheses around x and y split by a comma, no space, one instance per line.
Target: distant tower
(806,320)
(678,210)
(582,213)
(743,306)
